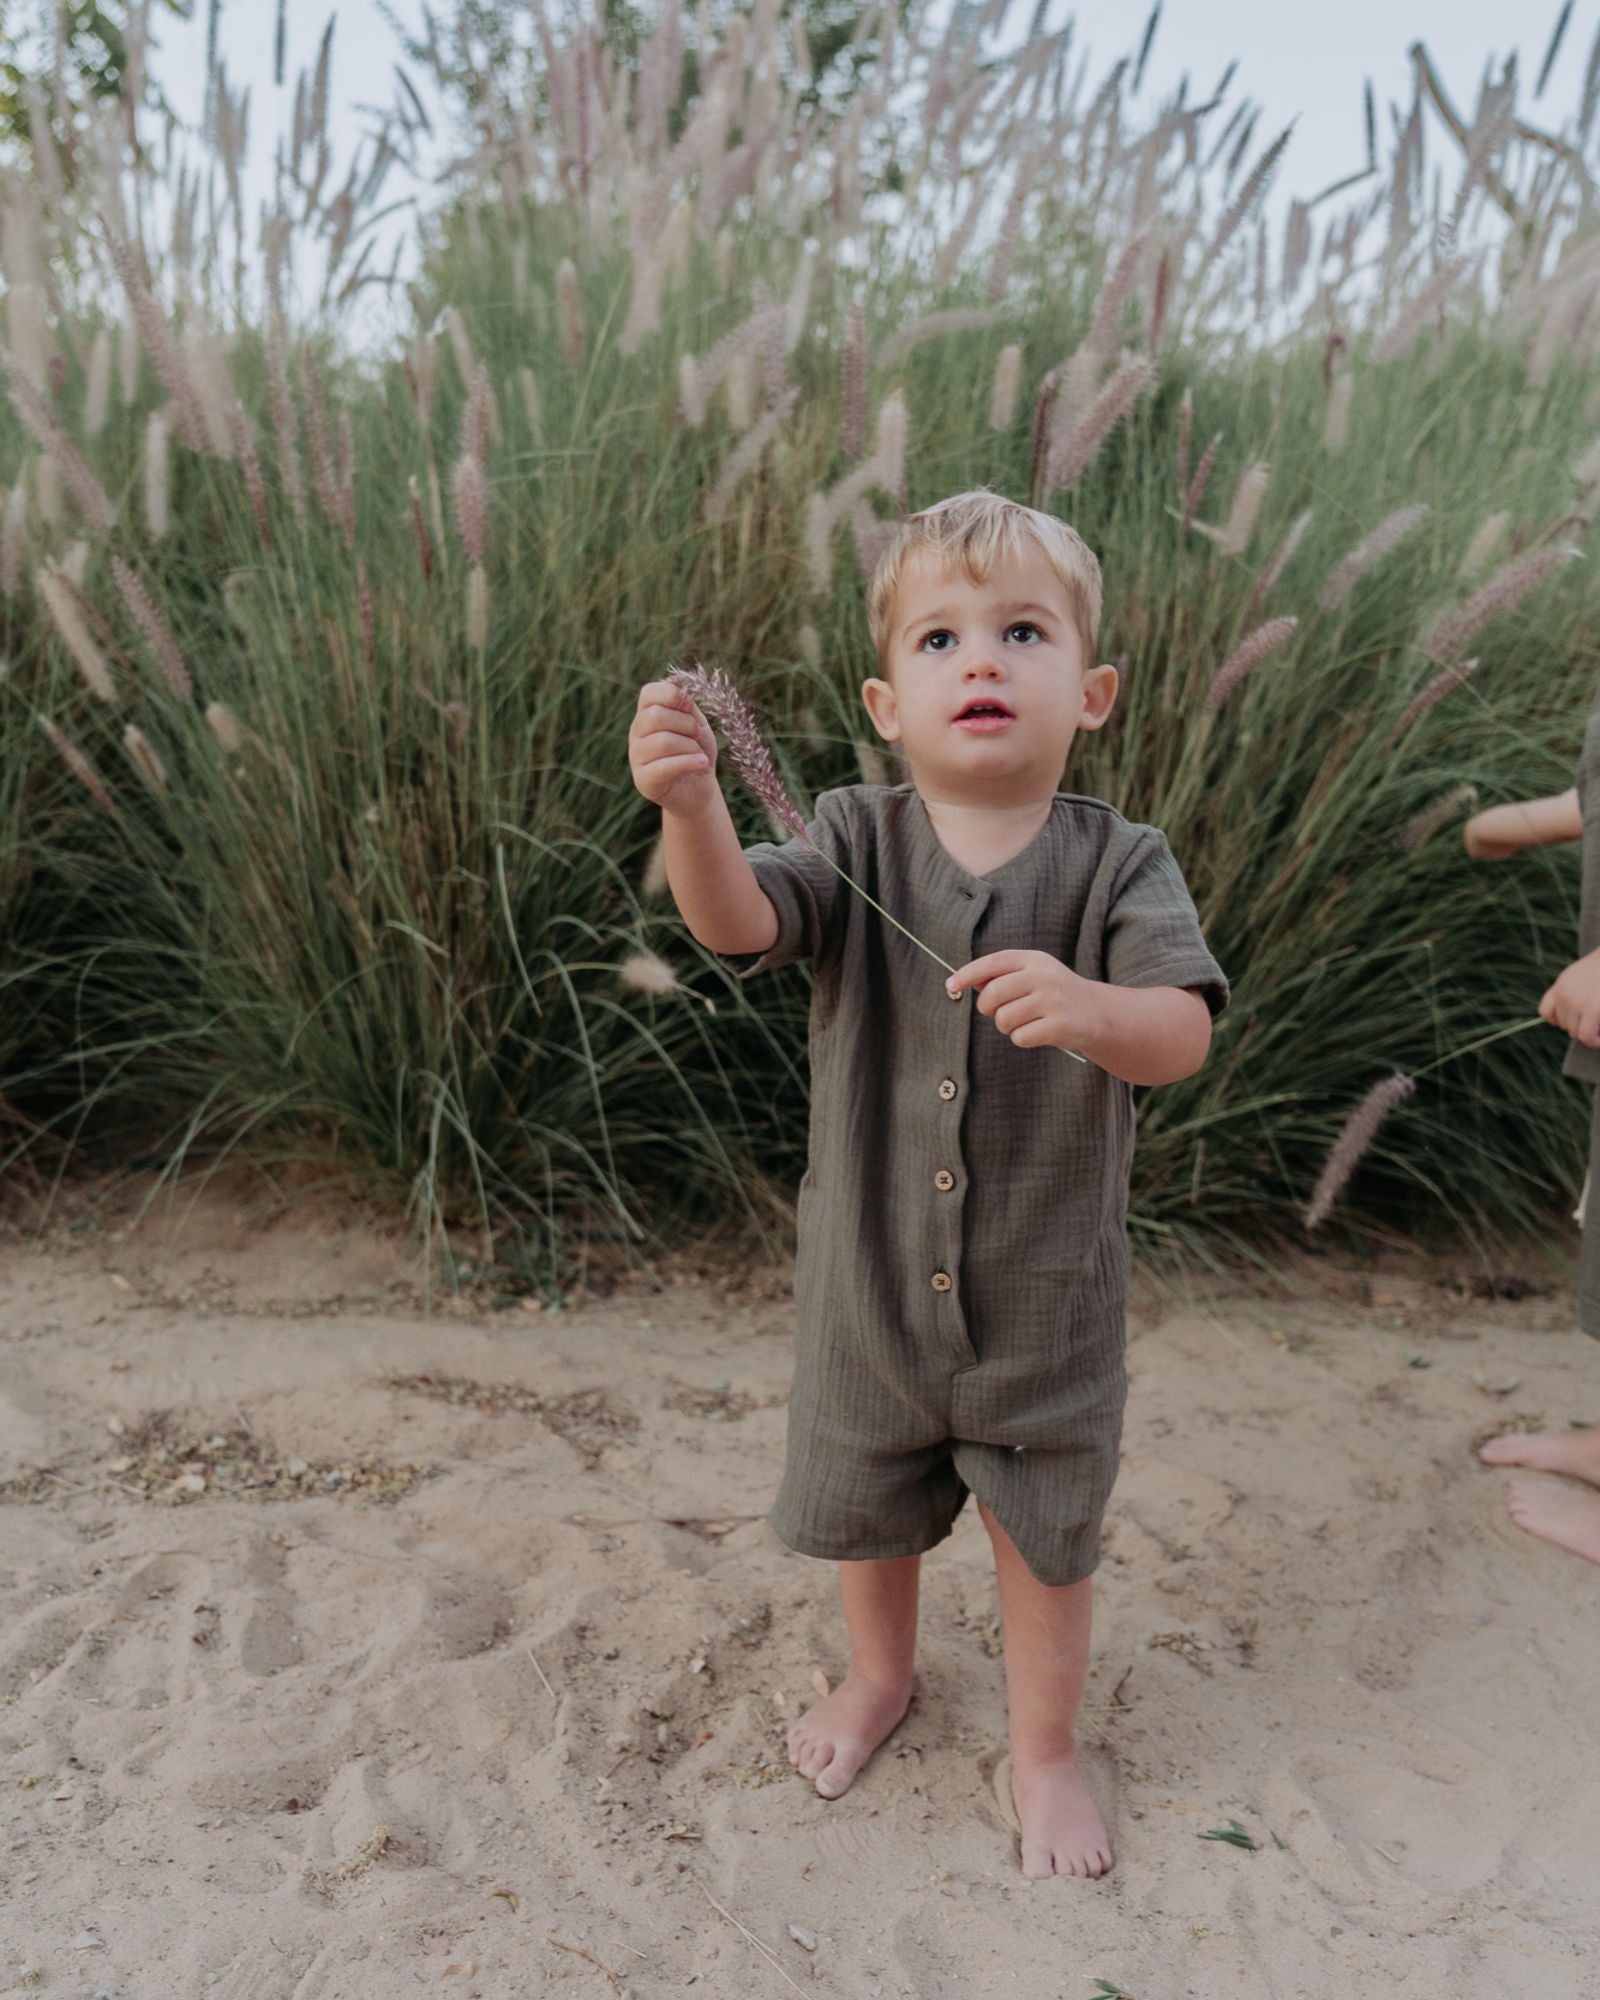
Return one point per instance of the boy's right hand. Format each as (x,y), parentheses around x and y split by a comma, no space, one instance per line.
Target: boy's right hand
(671,750)
(1573,1002)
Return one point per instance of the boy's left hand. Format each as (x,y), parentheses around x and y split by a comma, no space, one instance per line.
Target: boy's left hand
(1573,1002)
(1035,1000)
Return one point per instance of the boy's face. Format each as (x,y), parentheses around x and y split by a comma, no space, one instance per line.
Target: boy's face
(987,683)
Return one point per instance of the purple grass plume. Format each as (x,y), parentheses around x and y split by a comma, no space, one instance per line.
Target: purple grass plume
(715,694)
(1360,1129)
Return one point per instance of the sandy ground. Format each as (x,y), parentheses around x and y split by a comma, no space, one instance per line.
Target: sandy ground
(516,1728)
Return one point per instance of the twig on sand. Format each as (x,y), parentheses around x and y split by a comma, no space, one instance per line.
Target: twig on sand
(578,1952)
(766,1951)
(549,1690)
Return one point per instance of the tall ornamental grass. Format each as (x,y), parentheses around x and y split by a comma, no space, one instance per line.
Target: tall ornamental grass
(317,838)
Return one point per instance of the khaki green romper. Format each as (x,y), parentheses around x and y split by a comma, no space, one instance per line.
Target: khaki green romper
(962,1256)
(1581,1062)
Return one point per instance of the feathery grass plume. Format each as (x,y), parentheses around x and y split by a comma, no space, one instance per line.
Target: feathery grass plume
(234,588)
(1106,320)
(1007,235)
(66,614)
(47,488)
(1255,186)
(714,693)
(1336,425)
(1006,384)
(1114,405)
(1249,652)
(1507,587)
(159,343)
(75,561)
(871,536)
(157,469)
(97,388)
(1200,481)
(1424,825)
(471,495)
(1586,470)
(1428,304)
(528,384)
(155,628)
(286,448)
(145,761)
(419,528)
(739,388)
(769,350)
(477,608)
(128,357)
(889,447)
(1278,562)
(319,438)
(1370,551)
(1185,439)
(746,456)
(13,536)
(78,765)
(853,383)
(94,503)
(654,881)
(569,305)
(213,388)
(1484,546)
(809,641)
(255,486)
(1360,1129)
(1435,691)
(1249,490)
(366,612)
(421,365)
(646,973)
(224,726)
(935,326)
(460,344)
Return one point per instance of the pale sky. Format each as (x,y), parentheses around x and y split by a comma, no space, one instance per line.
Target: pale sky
(1298,61)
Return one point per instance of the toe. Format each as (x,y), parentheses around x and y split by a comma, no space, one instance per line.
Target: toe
(815,1758)
(1038,1860)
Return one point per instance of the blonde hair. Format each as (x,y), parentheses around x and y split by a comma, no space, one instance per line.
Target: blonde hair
(971,532)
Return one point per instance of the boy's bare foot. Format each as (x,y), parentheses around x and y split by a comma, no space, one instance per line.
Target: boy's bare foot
(835,1737)
(1558,1514)
(1576,1453)
(1062,1831)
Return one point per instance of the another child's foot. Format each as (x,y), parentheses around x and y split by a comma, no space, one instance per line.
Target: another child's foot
(833,1739)
(1576,1453)
(1558,1514)
(1062,1831)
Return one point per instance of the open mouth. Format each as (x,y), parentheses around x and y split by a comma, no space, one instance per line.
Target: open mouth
(983,715)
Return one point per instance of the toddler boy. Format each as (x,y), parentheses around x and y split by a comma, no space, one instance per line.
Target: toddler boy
(962,1253)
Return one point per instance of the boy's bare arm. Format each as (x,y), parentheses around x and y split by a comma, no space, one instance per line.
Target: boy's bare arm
(673,757)
(1501,831)
(1143,1034)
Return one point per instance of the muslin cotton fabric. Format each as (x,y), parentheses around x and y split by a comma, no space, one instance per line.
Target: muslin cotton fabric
(962,1255)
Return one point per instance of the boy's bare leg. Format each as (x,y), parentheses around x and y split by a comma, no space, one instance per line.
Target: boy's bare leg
(1576,1453)
(1047,1661)
(1559,1514)
(832,1740)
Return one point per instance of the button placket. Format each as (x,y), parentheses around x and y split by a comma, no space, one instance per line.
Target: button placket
(947,1230)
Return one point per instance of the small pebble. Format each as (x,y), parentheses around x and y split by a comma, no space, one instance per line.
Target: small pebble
(87,1941)
(807,1940)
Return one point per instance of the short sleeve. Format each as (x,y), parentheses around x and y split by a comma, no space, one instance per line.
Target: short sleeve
(1153,935)
(802,887)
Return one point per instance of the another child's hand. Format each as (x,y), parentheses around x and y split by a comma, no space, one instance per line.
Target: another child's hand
(671,750)
(1034,999)
(1573,1002)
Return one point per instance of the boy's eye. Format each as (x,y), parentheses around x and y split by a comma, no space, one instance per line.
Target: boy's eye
(1024,625)
(941,632)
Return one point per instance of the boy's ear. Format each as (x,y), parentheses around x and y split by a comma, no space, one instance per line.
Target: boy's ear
(882,706)
(1100,686)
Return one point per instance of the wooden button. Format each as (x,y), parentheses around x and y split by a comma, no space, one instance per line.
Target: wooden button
(942,1281)
(944,1180)
(947,1089)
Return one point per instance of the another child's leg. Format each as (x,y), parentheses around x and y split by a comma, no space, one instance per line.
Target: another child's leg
(1047,1661)
(832,1741)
